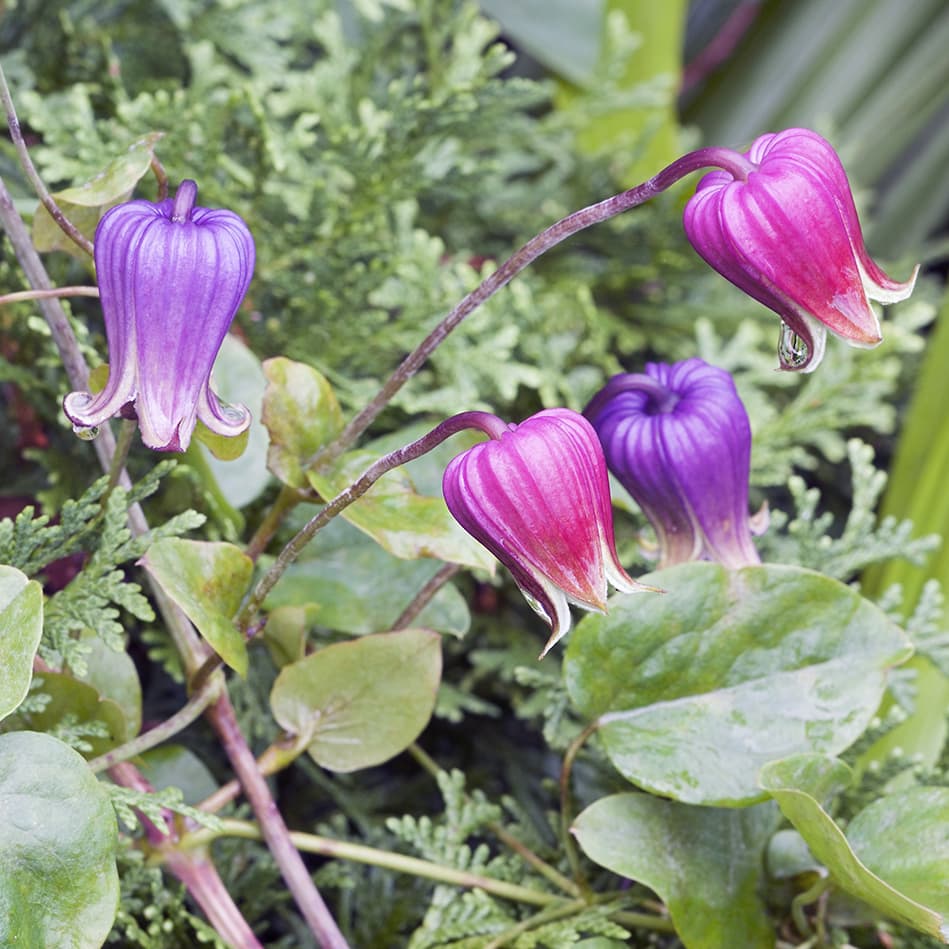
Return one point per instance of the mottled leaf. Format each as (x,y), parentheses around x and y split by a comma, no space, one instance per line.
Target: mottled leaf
(698,688)
(21,625)
(86,203)
(58,882)
(301,414)
(208,581)
(362,702)
(705,863)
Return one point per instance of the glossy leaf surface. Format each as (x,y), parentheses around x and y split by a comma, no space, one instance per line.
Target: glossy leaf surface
(705,863)
(58,880)
(899,852)
(21,625)
(362,702)
(697,689)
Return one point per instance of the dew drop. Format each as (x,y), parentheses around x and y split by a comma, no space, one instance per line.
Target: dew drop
(792,350)
(86,434)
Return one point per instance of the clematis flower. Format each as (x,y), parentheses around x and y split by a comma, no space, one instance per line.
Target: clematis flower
(678,439)
(781,225)
(171,276)
(537,496)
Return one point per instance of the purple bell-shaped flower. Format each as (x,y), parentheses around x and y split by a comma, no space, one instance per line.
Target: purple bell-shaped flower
(678,439)
(781,225)
(537,496)
(171,276)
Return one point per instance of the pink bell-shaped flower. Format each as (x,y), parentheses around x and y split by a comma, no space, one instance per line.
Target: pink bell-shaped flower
(171,276)
(537,496)
(781,225)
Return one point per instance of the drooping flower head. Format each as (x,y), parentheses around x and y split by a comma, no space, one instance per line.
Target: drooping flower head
(171,276)
(678,439)
(537,496)
(782,226)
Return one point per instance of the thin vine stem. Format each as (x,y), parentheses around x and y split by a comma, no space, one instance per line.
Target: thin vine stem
(187,714)
(425,595)
(526,255)
(23,153)
(566,806)
(21,296)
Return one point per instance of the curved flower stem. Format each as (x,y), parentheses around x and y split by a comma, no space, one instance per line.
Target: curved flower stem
(357,489)
(170,726)
(566,806)
(424,596)
(272,827)
(65,225)
(123,443)
(534,248)
(20,296)
(161,176)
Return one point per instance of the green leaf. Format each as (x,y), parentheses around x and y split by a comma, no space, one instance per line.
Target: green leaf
(901,835)
(704,862)
(359,588)
(301,414)
(239,465)
(208,581)
(178,767)
(114,676)
(84,205)
(360,703)
(77,713)
(21,626)
(58,881)
(698,688)
(399,518)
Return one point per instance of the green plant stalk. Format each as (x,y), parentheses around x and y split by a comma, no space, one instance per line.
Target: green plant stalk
(187,714)
(358,853)
(566,806)
(23,296)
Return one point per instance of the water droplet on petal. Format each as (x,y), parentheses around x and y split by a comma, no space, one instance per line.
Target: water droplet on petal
(792,349)
(86,434)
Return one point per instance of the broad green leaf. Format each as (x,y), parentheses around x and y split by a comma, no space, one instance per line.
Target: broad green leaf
(285,634)
(361,702)
(301,414)
(84,205)
(208,581)
(902,836)
(705,863)
(58,882)
(399,518)
(698,688)
(359,588)
(176,766)
(240,472)
(73,705)
(114,676)
(21,625)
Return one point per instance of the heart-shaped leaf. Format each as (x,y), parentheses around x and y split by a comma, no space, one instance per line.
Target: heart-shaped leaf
(705,863)
(208,581)
(362,702)
(897,859)
(58,880)
(301,413)
(21,625)
(695,690)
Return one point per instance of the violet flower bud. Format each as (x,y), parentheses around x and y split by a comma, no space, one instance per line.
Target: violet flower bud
(537,496)
(171,277)
(781,225)
(678,439)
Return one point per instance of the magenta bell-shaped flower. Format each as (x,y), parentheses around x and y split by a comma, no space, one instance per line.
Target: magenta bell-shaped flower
(171,277)
(781,225)
(678,439)
(537,496)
